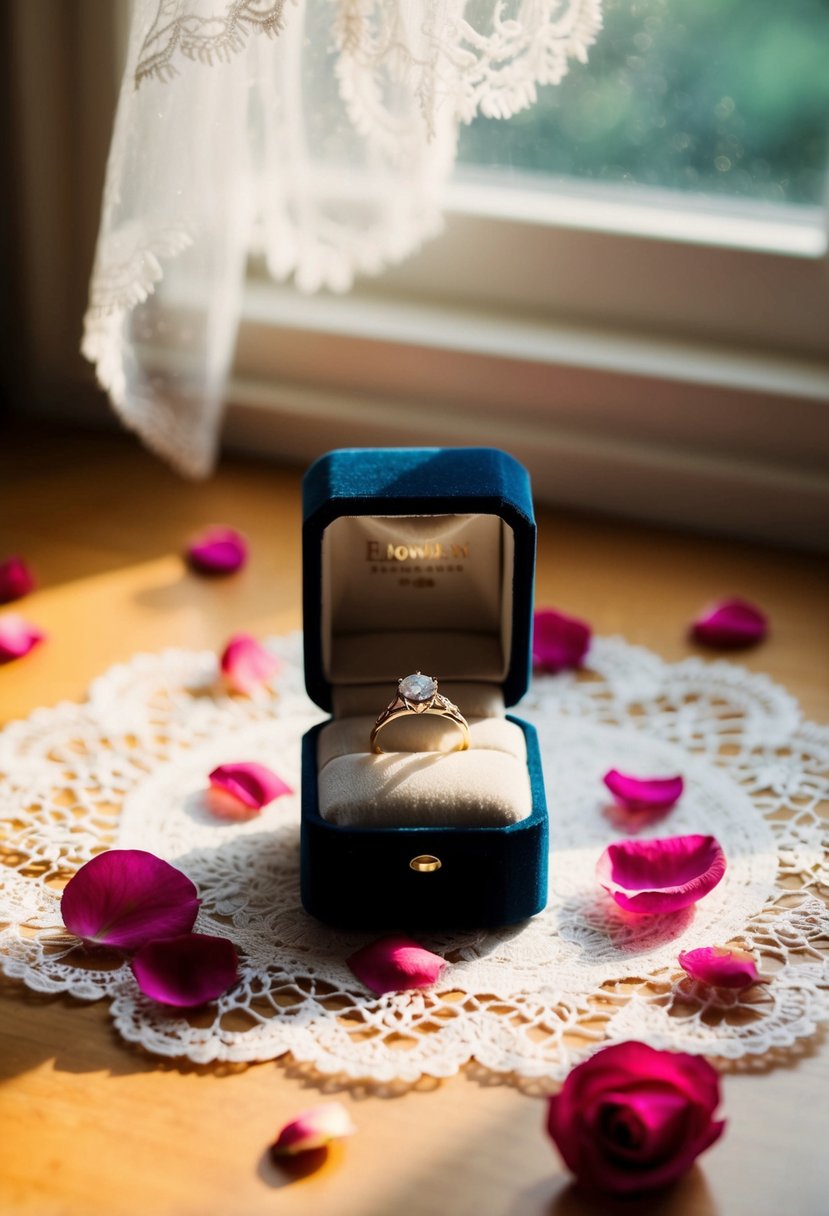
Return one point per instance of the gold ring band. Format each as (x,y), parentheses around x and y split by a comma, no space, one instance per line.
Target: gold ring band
(418,694)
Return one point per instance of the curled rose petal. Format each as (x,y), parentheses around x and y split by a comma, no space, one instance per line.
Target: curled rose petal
(186,971)
(251,786)
(559,641)
(661,876)
(394,964)
(127,897)
(246,664)
(720,967)
(313,1129)
(17,637)
(643,793)
(217,550)
(632,1119)
(730,625)
(16,580)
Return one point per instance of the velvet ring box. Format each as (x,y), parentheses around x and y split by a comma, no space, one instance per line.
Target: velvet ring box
(420,560)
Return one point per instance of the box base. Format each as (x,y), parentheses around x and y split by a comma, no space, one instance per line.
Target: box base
(386,878)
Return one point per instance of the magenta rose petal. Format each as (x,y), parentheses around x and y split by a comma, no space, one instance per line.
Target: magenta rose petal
(247,665)
(17,637)
(217,550)
(16,579)
(249,784)
(730,625)
(394,964)
(559,642)
(632,1119)
(643,793)
(313,1129)
(127,897)
(660,876)
(721,968)
(186,971)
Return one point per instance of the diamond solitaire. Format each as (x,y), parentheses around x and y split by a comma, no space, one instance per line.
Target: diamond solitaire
(418,690)
(418,694)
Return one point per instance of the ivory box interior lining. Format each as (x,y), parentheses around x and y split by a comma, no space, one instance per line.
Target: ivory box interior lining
(427,593)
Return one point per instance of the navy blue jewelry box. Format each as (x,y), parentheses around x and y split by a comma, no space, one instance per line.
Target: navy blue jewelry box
(417,559)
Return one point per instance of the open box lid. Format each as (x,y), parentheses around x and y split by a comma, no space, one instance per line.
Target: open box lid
(417,559)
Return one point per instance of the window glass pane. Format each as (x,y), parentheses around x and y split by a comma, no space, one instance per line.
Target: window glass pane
(722,97)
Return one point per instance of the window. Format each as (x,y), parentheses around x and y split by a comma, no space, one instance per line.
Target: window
(641,323)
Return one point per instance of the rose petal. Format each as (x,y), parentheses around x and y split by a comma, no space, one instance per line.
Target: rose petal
(186,971)
(394,964)
(17,637)
(313,1129)
(559,641)
(16,580)
(661,875)
(217,550)
(127,897)
(720,967)
(643,793)
(730,624)
(246,665)
(251,784)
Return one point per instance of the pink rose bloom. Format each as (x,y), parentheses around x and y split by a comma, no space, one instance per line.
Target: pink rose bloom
(632,1119)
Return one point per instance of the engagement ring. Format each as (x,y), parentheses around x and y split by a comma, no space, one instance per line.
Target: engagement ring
(418,694)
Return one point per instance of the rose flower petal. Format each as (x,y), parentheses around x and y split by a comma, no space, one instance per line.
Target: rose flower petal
(247,665)
(17,637)
(127,897)
(245,789)
(217,550)
(721,968)
(643,793)
(632,1119)
(16,580)
(313,1129)
(730,625)
(394,964)
(661,875)
(559,641)
(186,971)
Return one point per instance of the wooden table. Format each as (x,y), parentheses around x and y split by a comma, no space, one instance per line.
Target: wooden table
(91,1125)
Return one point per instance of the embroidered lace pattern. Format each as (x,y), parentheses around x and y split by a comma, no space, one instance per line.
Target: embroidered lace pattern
(128,768)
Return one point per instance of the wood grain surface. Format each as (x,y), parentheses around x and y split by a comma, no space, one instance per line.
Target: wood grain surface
(91,1125)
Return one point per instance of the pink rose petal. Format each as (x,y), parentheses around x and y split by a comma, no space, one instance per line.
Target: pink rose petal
(394,964)
(127,897)
(251,786)
(730,625)
(16,580)
(659,876)
(313,1129)
(559,641)
(217,550)
(643,793)
(186,971)
(246,664)
(17,637)
(720,967)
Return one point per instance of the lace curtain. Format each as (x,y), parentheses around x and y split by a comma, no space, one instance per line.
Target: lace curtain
(316,133)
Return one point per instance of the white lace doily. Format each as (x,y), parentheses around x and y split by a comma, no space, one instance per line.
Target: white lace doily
(128,768)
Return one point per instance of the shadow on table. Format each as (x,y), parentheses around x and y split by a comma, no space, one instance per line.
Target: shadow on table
(687,1197)
(77,1036)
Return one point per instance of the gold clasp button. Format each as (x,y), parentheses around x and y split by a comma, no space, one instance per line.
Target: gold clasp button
(425,863)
